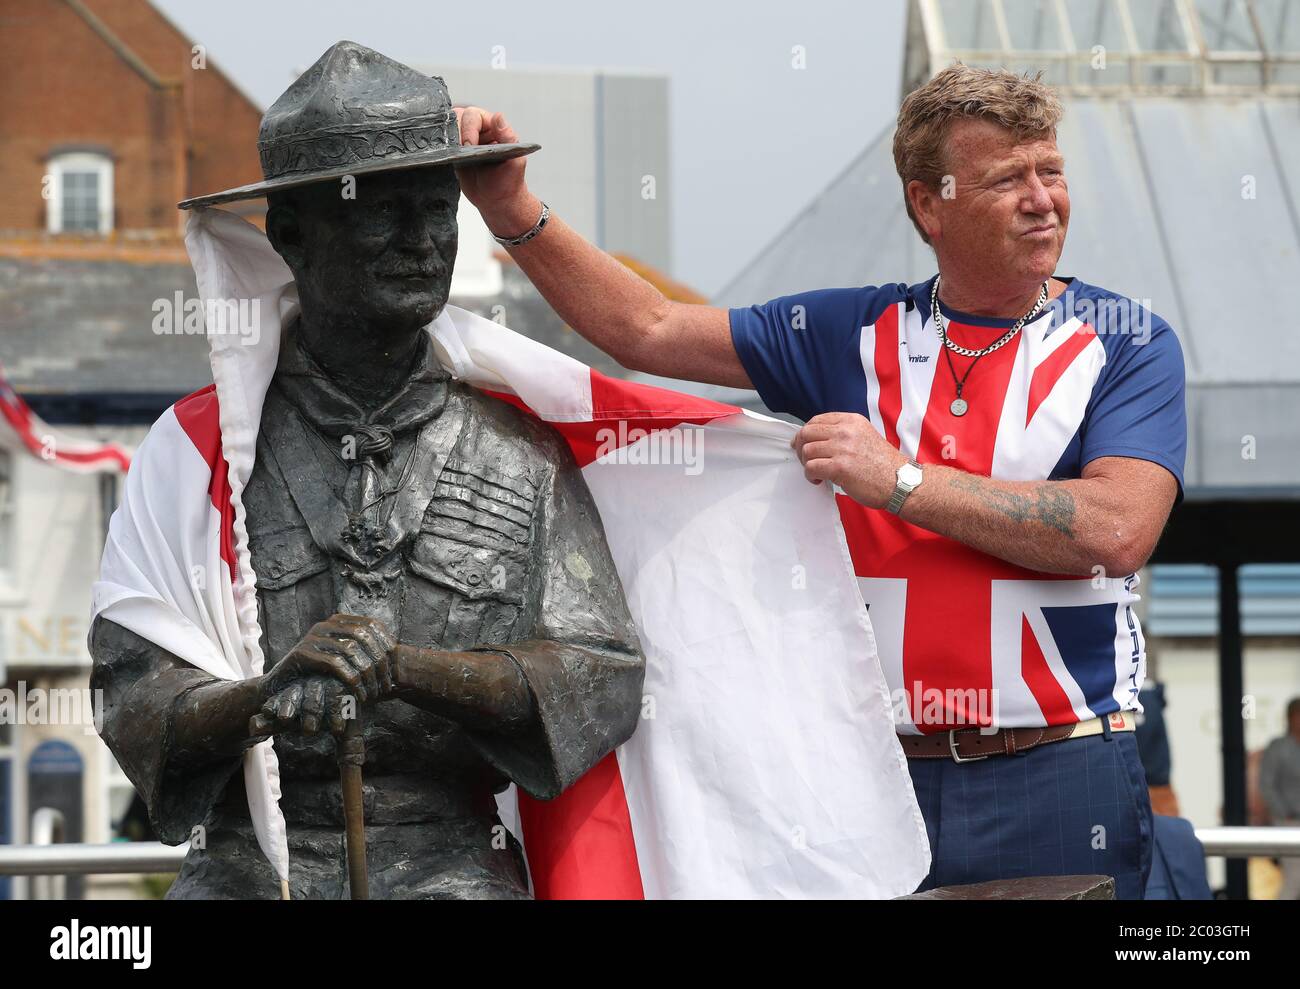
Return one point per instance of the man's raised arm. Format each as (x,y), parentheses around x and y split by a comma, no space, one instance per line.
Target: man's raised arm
(613,307)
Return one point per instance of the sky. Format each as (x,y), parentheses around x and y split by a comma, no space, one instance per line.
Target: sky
(753,139)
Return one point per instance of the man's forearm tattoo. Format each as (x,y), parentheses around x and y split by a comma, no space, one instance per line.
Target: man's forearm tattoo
(1050,504)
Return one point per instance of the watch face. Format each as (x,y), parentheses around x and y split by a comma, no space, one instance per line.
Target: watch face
(909,474)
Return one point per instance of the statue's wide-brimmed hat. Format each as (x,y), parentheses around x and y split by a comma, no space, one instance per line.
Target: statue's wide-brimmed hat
(354,112)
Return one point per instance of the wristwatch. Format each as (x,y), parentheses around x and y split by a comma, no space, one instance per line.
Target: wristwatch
(909,479)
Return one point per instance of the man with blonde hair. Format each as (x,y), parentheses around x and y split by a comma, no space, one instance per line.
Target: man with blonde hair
(1008,443)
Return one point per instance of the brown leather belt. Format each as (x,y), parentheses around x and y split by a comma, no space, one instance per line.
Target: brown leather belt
(973,744)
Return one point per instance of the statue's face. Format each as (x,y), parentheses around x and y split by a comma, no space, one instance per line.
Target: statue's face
(382,259)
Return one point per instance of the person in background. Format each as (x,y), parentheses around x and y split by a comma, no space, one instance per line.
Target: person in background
(1178,859)
(1279,783)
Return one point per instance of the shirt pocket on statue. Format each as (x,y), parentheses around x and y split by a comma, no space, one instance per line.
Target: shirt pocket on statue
(475,549)
(293,586)
(282,558)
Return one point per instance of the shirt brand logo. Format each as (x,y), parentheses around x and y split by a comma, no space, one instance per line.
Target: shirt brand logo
(914,358)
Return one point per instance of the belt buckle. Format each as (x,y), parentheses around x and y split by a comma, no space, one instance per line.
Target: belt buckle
(952,747)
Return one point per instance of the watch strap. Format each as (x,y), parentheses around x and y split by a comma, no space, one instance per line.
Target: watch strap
(901,491)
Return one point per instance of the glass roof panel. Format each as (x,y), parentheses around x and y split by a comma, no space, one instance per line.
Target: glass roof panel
(1096,22)
(1225,26)
(1158,45)
(1157,25)
(1033,25)
(1279,21)
(970,25)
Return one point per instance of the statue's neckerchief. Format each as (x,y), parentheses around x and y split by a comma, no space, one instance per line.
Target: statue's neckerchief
(371,520)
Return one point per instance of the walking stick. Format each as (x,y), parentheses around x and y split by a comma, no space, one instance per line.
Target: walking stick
(352,755)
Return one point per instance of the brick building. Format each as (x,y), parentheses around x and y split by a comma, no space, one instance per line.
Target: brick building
(111,116)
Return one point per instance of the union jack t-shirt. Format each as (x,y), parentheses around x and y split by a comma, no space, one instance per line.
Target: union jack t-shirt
(965,638)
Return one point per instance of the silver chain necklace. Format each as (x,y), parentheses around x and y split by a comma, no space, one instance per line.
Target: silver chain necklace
(959,405)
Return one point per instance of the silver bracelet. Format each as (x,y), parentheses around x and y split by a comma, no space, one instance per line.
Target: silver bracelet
(524,238)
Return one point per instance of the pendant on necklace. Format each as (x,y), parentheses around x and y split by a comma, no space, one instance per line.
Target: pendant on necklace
(958,407)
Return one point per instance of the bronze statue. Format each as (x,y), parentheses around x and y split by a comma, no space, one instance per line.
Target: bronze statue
(423,548)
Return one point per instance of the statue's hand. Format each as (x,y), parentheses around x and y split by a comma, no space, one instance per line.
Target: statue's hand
(305,706)
(350,650)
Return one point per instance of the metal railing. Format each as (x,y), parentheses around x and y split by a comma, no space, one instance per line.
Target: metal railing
(153,856)
(80,860)
(1241,842)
